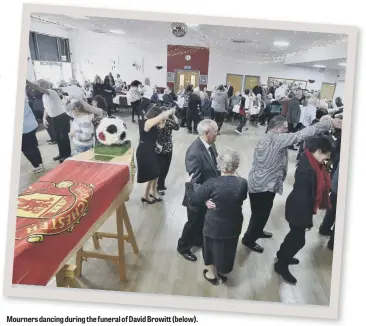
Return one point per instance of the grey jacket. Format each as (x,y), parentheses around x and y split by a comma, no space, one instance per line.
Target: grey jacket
(294,111)
(220,101)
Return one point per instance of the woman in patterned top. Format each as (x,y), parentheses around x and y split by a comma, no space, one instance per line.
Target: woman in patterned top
(164,150)
(269,171)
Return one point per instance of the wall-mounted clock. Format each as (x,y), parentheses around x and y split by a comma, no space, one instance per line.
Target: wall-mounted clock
(188,57)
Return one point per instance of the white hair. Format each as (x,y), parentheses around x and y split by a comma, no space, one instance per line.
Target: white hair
(197,90)
(228,160)
(205,126)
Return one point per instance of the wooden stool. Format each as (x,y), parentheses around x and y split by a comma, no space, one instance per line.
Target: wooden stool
(122,219)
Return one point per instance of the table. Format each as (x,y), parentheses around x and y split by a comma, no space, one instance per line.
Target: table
(116,100)
(65,208)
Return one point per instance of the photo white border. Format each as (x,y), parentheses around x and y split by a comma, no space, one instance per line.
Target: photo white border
(170,301)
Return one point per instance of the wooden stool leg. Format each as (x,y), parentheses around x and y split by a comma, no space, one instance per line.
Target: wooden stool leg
(96,241)
(121,243)
(79,262)
(130,234)
(60,279)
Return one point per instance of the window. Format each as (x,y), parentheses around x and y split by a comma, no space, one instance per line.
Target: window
(48,48)
(32,46)
(64,49)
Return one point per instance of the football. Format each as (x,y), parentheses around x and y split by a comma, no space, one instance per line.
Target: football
(111,131)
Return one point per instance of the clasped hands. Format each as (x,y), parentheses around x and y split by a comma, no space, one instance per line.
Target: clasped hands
(209,204)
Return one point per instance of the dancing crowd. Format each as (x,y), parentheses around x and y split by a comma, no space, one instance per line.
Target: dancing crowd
(295,119)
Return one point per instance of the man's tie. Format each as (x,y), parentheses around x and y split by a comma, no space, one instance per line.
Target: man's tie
(213,156)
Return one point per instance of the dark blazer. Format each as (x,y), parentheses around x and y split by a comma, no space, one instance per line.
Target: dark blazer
(199,162)
(109,93)
(194,105)
(228,194)
(300,203)
(98,89)
(230,91)
(168,100)
(294,111)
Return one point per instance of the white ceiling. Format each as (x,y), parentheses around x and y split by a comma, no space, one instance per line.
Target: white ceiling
(329,64)
(259,42)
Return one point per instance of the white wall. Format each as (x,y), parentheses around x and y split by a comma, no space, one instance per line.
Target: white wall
(93,54)
(98,54)
(339,91)
(219,67)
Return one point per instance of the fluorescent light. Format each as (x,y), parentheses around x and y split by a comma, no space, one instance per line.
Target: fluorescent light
(193,25)
(77,17)
(117,31)
(342,64)
(281,43)
(319,66)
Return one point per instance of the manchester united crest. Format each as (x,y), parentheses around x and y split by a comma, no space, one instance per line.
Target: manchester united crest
(48,208)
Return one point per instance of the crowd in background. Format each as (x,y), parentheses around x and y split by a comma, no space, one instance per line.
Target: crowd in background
(295,119)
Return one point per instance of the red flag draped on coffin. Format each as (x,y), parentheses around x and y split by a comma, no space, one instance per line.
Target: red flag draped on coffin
(57,211)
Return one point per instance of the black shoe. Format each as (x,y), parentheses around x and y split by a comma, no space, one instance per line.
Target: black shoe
(223,278)
(326,233)
(253,246)
(57,158)
(189,256)
(284,272)
(189,131)
(195,132)
(133,120)
(62,160)
(213,281)
(144,200)
(294,261)
(156,199)
(266,235)
(161,192)
(330,245)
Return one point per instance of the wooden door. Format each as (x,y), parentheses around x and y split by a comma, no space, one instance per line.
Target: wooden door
(251,82)
(185,78)
(327,91)
(236,81)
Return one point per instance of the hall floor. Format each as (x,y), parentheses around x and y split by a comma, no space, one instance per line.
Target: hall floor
(160,269)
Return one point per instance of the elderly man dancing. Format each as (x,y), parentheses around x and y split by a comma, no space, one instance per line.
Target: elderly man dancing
(202,165)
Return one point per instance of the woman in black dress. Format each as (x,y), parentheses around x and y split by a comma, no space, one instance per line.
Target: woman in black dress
(109,94)
(224,218)
(147,162)
(310,193)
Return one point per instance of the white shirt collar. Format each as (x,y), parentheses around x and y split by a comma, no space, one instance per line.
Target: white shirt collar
(205,143)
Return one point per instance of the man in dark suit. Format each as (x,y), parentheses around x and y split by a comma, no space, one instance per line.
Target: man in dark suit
(294,113)
(230,90)
(201,162)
